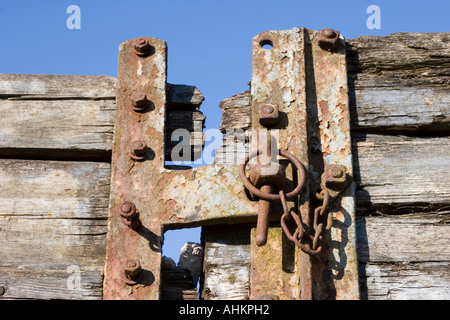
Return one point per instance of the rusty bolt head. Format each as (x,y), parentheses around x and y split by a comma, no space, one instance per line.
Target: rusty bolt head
(132,269)
(2,290)
(268,114)
(138,99)
(127,210)
(139,148)
(335,176)
(328,39)
(129,215)
(141,47)
(268,174)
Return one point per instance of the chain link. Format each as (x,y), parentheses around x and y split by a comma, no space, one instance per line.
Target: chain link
(320,213)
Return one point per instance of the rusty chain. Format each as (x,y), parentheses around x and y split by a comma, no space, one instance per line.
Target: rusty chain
(323,218)
(319,232)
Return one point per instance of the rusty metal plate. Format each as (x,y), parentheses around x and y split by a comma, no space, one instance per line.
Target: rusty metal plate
(278,79)
(307,86)
(335,270)
(304,74)
(164,198)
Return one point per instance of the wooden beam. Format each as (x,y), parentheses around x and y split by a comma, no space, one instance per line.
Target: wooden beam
(53,224)
(401,174)
(226,262)
(72,117)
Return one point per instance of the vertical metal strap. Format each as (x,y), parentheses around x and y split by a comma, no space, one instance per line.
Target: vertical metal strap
(139,73)
(335,271)
(278,79)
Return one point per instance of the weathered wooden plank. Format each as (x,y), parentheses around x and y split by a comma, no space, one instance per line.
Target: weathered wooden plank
(405,281)
(184,97)
(401,174)
(57,124)
(406,59)
(226,264)
(400,82)
(236,112)
(404,257)
(400,108)
(419,237)
(57,86)
(54,283)
(72,117)
(53,224)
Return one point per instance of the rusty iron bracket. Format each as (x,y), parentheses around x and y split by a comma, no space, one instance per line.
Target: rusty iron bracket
(299,90)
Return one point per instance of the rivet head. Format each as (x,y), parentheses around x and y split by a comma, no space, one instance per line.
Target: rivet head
(138,99)
(328,33)
(269,109)
(328,39)
(268,114)
(129,215)
(132,271)
(139,148)
(141,47)
(127,209)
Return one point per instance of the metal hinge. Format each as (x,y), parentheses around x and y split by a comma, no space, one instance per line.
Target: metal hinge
(299,187)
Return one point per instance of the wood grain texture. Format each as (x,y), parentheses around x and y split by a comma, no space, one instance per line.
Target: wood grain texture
(406,281)
(226,264)
(53,218)
(57,124)
(416,238)
(406,59)
(400,82)
(72,117)
(401,174)
(57,86)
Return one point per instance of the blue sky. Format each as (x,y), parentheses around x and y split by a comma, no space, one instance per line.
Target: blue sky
(209,41)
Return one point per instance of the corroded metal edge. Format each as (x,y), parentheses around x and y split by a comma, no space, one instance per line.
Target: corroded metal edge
(333,274)
(278,78)
(168,198)
(335,270)
(164,198)
(132,181)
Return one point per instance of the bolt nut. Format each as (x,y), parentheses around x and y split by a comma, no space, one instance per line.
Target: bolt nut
(139,101)
(336,172)
(141,47)
(335,177)
(268,114)
(129,215)
(132,271)
(139,148)
(328,39)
